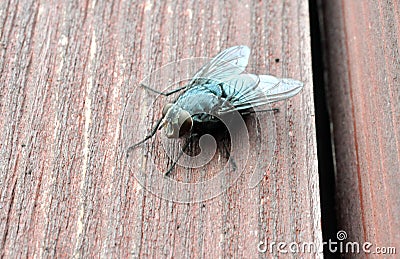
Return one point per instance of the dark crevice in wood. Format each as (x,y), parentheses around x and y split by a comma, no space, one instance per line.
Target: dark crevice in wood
(324,138)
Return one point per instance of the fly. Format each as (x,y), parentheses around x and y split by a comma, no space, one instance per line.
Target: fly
(219,87)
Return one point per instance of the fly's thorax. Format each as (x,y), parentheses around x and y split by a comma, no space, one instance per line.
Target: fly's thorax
(198,100)
(178,122)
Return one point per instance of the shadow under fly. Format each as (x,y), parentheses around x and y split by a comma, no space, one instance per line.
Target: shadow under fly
(200,147)
(218,96)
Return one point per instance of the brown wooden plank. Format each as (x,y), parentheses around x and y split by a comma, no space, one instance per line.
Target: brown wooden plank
(362,40)
(68,69)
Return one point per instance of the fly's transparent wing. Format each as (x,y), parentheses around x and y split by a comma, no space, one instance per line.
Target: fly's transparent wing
(226,64)
(286,88)
(248,91)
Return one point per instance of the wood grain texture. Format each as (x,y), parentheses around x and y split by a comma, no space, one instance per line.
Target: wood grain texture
(362,42)
(68,72)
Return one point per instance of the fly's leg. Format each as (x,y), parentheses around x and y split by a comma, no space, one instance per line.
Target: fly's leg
(179,156)
(152,133)
(229,156)
(269,110)
(162,93)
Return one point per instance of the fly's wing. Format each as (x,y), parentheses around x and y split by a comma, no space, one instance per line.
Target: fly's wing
(248,91)
(225,65)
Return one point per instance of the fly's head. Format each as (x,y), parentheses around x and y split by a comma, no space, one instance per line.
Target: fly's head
(177,121)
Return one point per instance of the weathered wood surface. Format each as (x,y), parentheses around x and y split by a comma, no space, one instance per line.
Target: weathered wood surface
(362,42)
(68,69)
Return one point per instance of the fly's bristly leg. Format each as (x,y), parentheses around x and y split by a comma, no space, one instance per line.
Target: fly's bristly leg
(275,110)
(162,93)
(229,156)
(188,140)
(152,133)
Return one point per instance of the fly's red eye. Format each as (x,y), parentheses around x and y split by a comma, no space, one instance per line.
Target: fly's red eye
(185,123)
(185,127)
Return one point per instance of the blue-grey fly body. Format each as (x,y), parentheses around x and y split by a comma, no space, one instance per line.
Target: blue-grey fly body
(218,88)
